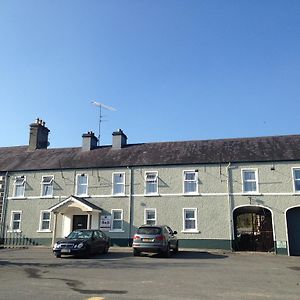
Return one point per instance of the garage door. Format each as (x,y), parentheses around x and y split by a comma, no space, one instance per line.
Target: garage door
(293,225)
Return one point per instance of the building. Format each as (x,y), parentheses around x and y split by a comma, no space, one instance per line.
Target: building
(239,194)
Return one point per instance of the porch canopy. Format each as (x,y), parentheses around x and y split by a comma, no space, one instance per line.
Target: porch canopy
(70,204)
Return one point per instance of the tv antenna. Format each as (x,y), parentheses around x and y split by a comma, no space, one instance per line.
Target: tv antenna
(101,105)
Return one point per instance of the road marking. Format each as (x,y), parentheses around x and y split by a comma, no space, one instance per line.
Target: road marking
(95,298)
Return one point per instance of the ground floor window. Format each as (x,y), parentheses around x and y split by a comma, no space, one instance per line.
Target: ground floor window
(117,219)
(45,221)
(150,216)
(190,219)
(16,217)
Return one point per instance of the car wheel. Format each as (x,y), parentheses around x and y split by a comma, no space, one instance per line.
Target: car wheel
(57,255)
(167,253)
(105,250)
(176,248)
(136,252)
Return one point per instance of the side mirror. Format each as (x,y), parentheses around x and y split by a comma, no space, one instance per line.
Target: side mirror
(175,232)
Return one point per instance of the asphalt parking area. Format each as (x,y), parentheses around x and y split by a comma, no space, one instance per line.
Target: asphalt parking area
(191,274)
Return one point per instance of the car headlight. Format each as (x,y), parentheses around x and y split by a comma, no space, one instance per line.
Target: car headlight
(80,245)
(56,246)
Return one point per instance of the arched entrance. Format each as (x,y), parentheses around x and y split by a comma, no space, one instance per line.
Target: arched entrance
(293,230)
(253,229)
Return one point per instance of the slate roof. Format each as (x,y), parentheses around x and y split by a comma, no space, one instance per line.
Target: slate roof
(259,149)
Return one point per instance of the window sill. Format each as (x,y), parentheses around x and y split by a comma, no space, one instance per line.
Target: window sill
(83,196)
(251,194)
(191,194)
(18,198)
(44,231)
(14,231)
(47,197)
(152,195)
(190,231)
(118,195)
(117,230)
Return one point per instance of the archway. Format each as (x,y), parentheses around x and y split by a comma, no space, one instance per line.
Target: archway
(253,229)
(293,230)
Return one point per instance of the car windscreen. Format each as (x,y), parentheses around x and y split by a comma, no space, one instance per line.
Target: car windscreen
(149,230)
(78,234)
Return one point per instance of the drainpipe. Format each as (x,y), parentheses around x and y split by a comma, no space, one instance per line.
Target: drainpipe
(130,205)
(4,207)
(229,204)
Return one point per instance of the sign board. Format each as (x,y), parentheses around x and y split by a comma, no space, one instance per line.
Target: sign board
(281,244)
(105,221)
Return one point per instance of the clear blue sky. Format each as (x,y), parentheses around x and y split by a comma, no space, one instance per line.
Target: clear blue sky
(173,69)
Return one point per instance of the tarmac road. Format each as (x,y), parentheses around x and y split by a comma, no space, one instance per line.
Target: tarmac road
(191,274)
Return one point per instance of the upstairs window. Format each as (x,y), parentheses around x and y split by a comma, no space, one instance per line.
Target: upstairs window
(250,182)
(190,182)
(19,186)
(150,216)
(117,219)
(151,183)
(47,186)
(82,185)
(296,173)
(118,184)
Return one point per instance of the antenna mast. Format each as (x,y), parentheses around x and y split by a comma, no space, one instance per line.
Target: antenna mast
(100,105)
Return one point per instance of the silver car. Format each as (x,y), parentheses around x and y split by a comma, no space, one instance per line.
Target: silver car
(155,239)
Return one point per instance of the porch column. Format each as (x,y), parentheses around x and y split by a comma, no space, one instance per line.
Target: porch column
(89,220)
(54,229)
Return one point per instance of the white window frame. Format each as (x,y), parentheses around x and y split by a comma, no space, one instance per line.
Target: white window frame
(190,230)
(87,184)
(23,184)
(47,184)
(114,184)
(153,182)
(46,220)
(196,192)
(13,212)
(295,179)
(145,216)
(114,219)
(251,180)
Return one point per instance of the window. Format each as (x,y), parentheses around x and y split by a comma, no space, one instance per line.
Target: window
(190,185)
(16,220)
(296,173)
(118,184)
(150,216)
(19,184)
(47,186)
(151,183)
(250,184)
(117,219)
(45,220)
(82,185)
(190,219)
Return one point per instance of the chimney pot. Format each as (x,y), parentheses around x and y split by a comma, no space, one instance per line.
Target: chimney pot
(38,136)
(119,139)
(89,141)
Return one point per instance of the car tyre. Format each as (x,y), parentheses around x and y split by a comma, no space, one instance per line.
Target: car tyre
(167,253)
(176,248)
(57,255)
(136,252)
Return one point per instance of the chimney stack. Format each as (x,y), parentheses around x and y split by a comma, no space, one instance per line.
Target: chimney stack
(119,139)
(89,141)
(38,136)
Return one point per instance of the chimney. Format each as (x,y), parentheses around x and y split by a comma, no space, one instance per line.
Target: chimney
(119,139)
(89,141)
(38,136)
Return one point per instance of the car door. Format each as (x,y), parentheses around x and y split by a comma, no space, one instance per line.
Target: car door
(99,241)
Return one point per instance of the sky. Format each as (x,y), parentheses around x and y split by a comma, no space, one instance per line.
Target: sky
(174,70)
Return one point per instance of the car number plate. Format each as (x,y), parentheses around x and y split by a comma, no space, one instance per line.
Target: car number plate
(147,240)
(65,250)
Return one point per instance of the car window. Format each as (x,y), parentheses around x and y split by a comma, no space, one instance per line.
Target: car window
(149,230)
(170,230)
(78,234)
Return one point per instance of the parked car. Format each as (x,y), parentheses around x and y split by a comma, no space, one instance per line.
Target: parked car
(83,242)
(155,239)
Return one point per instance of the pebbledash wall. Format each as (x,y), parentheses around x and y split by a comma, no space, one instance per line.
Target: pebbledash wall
(220,192)
(214,168)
